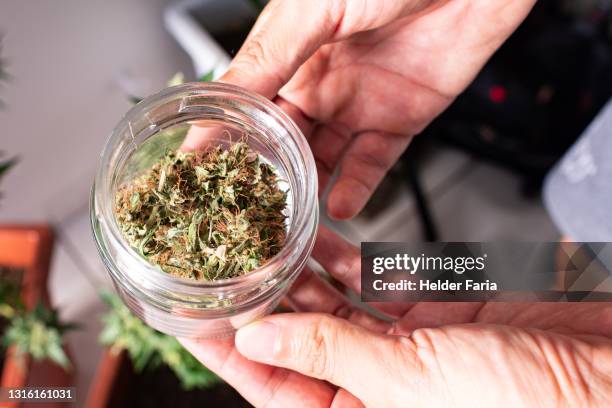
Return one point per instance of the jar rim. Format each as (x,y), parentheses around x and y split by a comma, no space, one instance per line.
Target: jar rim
(300,221)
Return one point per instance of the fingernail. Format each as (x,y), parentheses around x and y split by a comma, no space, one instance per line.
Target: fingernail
(257,341)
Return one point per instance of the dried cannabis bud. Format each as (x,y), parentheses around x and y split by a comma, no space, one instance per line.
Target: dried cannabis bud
(211,215)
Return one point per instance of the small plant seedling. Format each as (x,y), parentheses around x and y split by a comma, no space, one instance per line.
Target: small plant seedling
(38,332)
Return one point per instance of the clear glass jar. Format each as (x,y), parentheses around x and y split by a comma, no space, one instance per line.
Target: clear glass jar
(222,113)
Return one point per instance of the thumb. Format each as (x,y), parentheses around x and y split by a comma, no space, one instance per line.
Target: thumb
(331,349)
(287,33)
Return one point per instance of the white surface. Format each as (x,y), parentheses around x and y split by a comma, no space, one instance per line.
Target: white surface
(204,51)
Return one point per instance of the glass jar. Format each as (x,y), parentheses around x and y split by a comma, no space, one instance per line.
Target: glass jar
(219,114)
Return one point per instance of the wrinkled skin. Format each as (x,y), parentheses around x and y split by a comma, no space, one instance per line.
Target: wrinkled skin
(361,78)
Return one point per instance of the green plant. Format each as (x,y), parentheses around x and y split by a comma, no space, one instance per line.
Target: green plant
(207,77)
(38,332)
(6,164)
(148,348)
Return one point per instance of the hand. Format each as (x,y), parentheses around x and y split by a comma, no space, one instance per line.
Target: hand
(434,354)
(361,78)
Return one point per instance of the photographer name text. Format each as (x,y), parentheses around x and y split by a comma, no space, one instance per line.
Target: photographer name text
(432,285)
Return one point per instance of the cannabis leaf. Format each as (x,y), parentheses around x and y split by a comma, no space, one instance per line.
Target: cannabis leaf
(148,348)
(38,333)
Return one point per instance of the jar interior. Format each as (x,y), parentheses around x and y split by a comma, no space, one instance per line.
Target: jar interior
(154,141)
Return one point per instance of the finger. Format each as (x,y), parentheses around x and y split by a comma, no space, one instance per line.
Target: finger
(312,293)
(327,144)
(260,384)
(200,136)
(345,399)
(275,49)
(450,365)
(343,261)
(310,290)
(365,163)
(330,349)
(301,120)
(338,257)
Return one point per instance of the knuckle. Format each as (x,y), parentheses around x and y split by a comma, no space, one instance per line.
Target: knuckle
(334,10)
(349,266)
(421,349)
(259,56)
(370,159)
(254,54)
(367,183)
(424,340)
(317,347)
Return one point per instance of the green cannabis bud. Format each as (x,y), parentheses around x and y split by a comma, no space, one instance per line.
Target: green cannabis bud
(208,215)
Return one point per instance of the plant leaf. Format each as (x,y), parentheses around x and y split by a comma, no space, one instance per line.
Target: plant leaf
(38,333)
(148,348)
(7,164)
(208,77)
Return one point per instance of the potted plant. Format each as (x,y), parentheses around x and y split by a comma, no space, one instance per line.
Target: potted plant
(34,353)
(145,368)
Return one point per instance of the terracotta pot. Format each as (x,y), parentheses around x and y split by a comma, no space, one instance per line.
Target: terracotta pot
(29,248)
(104,382)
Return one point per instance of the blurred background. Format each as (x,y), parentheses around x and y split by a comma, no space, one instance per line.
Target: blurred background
(71,70)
